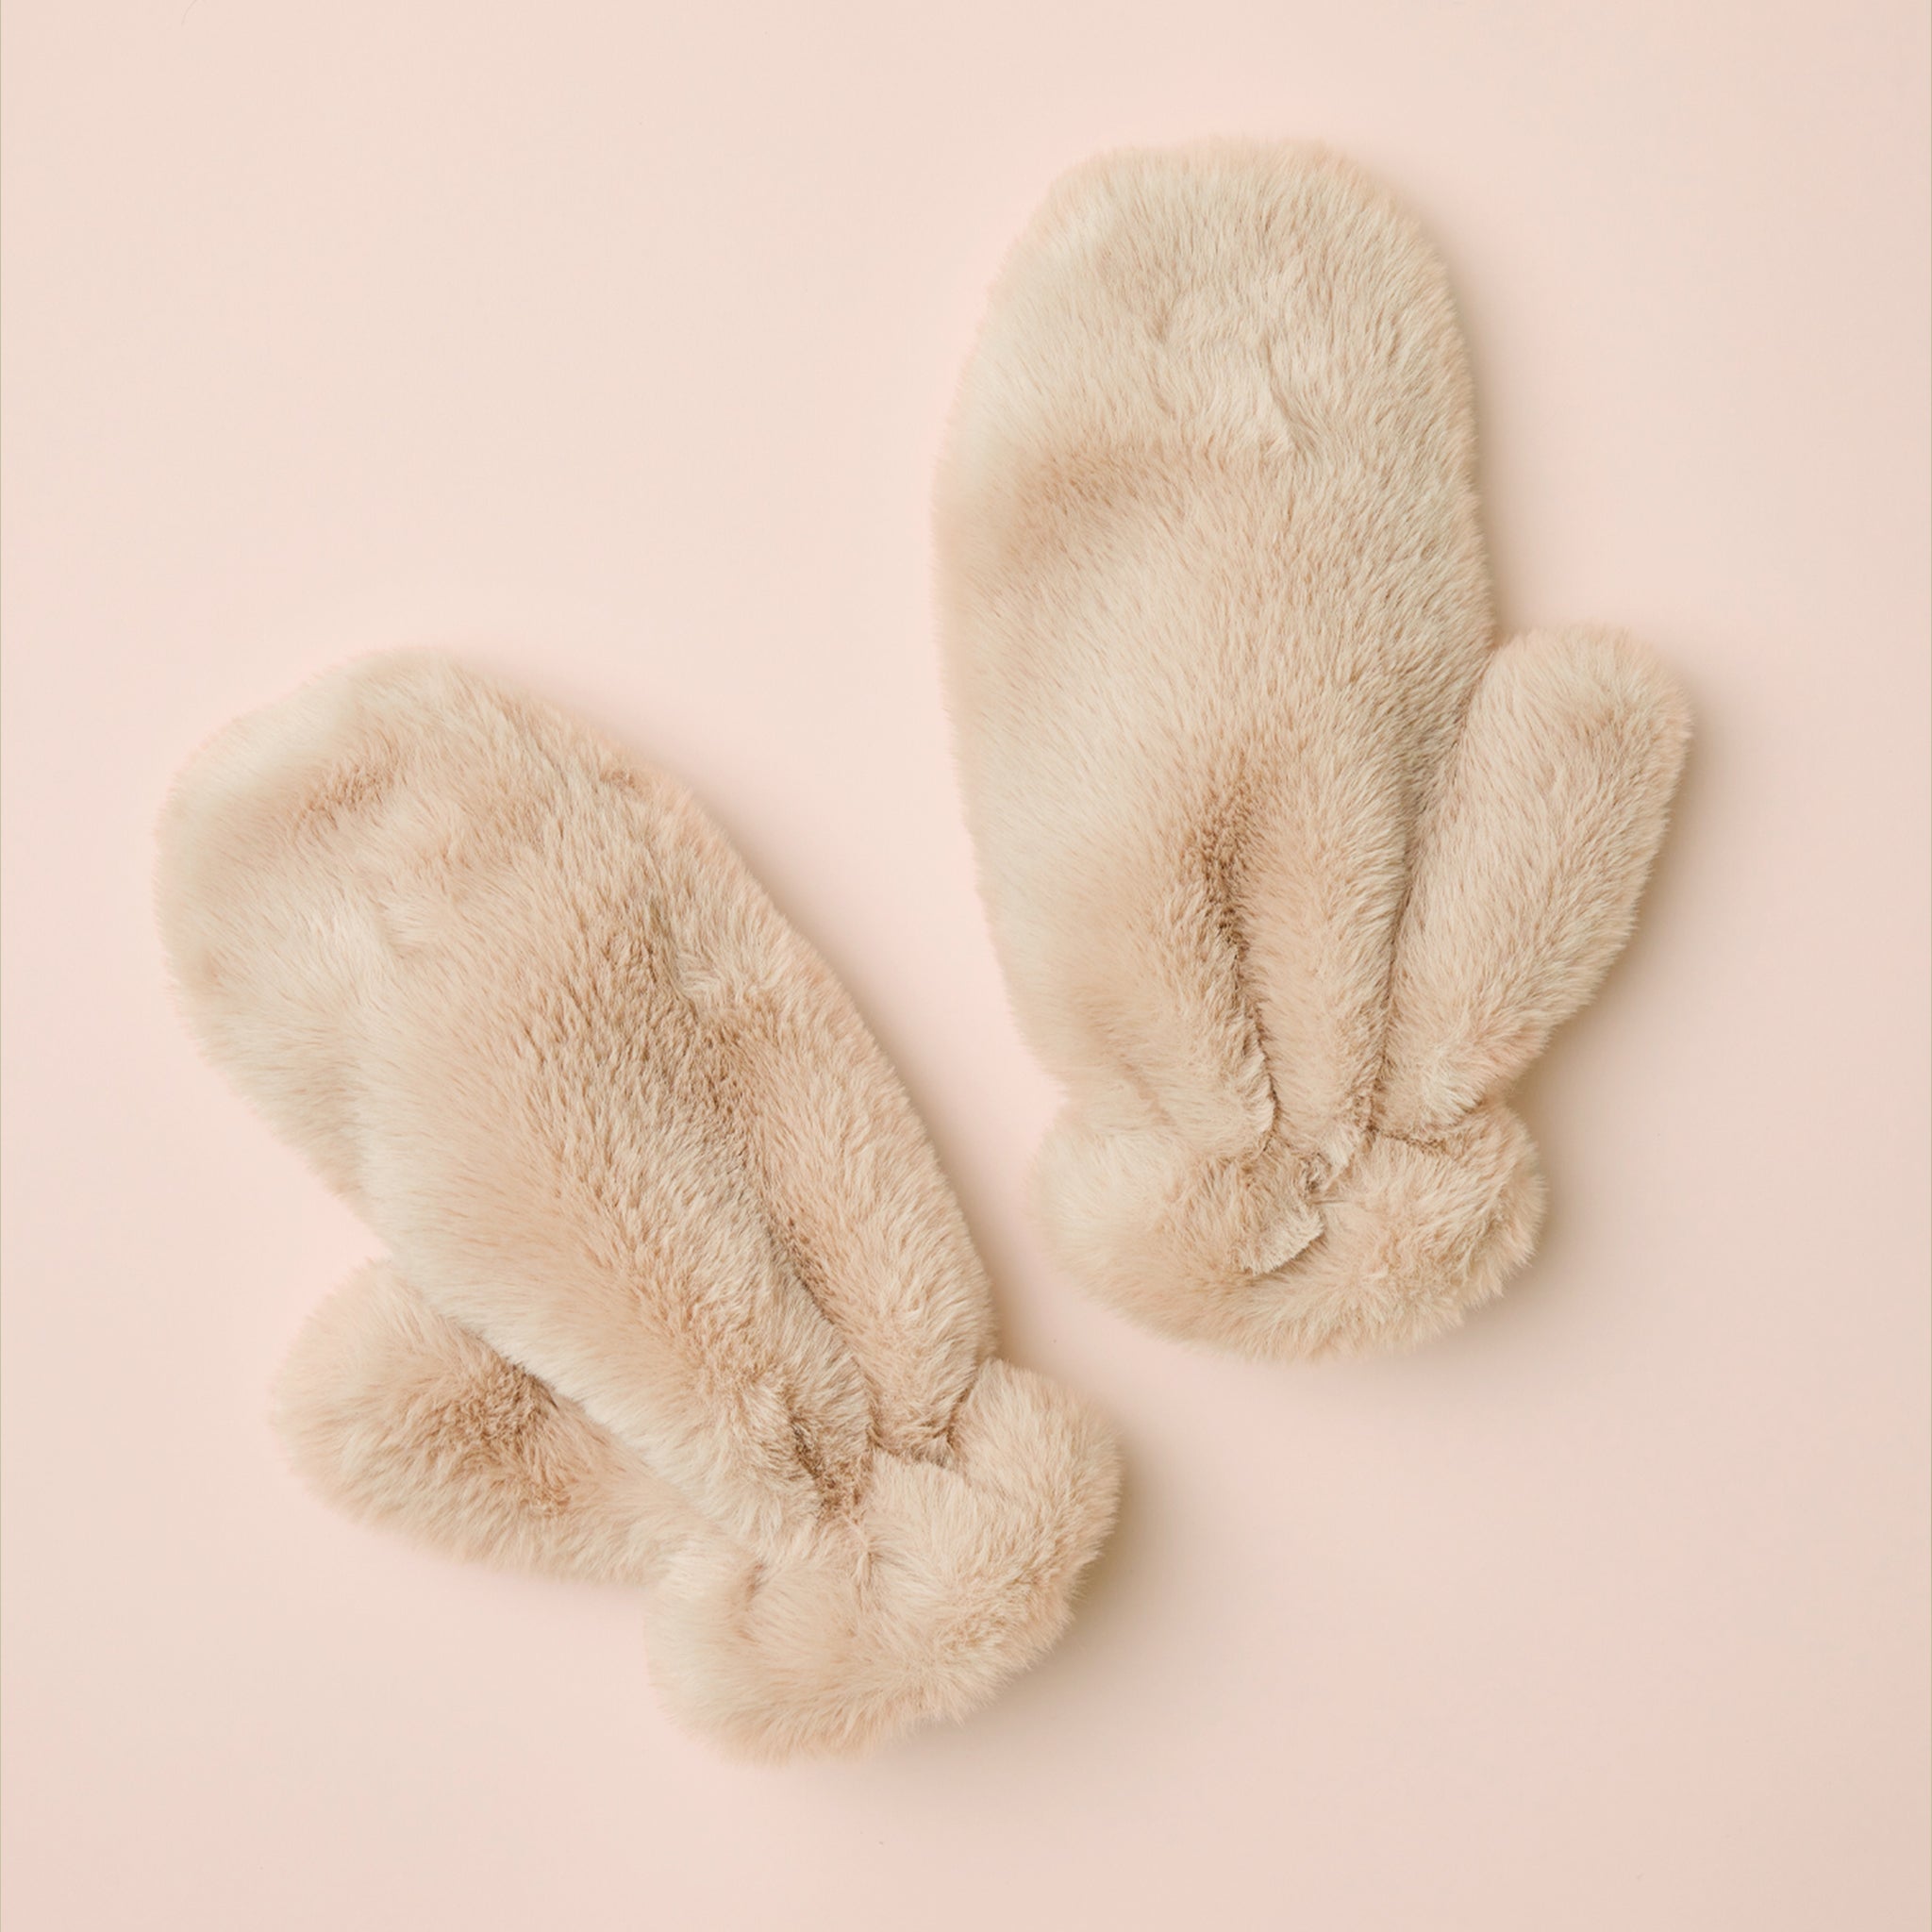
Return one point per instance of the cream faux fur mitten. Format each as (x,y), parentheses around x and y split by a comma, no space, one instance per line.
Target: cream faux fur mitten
(678,1295)
(1291,865)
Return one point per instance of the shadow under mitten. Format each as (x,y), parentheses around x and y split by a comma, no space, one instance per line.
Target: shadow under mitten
(679,1296)
(1291,867)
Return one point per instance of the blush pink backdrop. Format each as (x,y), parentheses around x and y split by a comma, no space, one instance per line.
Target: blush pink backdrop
(613,343)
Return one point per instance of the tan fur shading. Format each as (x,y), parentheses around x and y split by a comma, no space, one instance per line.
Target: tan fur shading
(1291,867)
(678,1296)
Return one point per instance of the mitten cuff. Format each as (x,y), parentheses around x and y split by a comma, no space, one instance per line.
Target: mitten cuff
(1282,1257)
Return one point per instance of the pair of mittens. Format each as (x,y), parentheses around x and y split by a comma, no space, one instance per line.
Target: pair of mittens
(1291,865)
(676,1293)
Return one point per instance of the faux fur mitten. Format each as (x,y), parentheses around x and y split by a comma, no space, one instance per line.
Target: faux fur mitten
(678,1295)
(1291,865)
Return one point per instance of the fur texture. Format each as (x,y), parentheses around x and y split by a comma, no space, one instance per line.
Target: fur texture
(1291,867)
(679,1295)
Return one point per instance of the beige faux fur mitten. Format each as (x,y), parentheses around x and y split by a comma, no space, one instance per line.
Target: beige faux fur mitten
(678,1296)
(1291,865)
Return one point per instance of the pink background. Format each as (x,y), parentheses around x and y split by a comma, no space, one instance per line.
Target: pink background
(613,344)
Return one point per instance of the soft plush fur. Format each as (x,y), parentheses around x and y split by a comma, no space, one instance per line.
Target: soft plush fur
(678,1296)
(1291,867)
